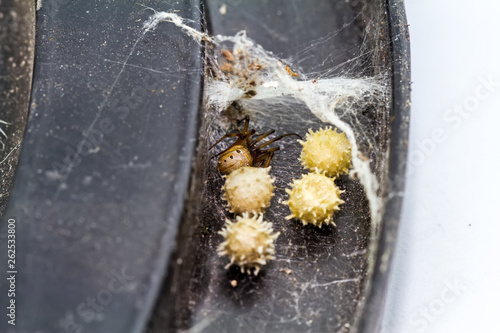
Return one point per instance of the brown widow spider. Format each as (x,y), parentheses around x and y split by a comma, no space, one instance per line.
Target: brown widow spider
(246,151)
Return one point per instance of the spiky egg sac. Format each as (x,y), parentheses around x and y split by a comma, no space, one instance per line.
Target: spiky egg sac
(326,150)
(249,242)
(313,199)
(248,189)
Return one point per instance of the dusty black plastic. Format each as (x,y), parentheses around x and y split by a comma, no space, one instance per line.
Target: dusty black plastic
(372,315)
(114,209)
(105,164)
(17,49)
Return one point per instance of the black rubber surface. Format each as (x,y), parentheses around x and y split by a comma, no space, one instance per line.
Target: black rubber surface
(371,319)
(17,49)
(114,232)
(104,166)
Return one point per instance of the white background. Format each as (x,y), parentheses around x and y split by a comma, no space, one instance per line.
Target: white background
(446,273)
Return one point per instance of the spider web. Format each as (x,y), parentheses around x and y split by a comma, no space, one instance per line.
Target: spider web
(308,87)
(350,101)
(3,135)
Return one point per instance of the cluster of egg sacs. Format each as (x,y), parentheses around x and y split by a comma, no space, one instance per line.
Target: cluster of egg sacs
(313,199)
(249,242)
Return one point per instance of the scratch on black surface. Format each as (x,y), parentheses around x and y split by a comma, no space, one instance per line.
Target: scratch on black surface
(99,111)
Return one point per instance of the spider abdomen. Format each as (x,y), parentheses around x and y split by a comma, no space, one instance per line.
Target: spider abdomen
(234,158)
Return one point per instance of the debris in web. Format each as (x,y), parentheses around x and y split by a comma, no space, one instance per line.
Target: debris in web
(242,71)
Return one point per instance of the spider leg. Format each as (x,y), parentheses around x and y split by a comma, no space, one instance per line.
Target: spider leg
(229,135)
(261,137)
(246,138)
(249,133)
(247,122)
(268,160)
(236,124)
(276,139)
(241,137)
(266,156)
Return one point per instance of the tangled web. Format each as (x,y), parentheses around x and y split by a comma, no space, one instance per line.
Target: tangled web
(3,135)
(242,71)
(347,87)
